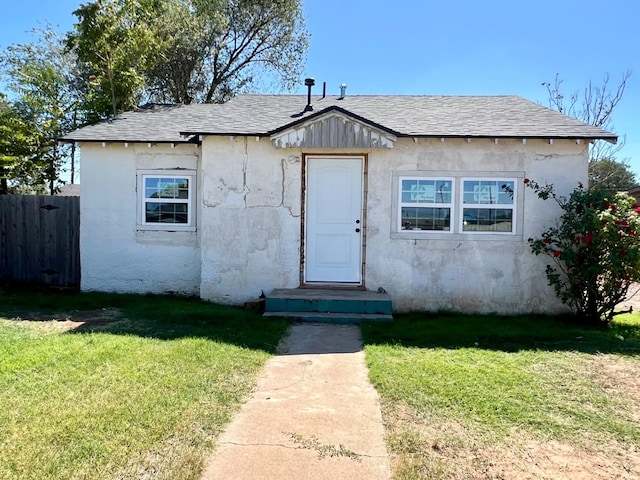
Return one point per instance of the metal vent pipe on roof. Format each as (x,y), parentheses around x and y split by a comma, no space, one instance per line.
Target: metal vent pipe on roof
(343,90)
(309,82)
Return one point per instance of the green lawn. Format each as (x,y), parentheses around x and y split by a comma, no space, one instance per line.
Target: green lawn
(141,390)
(98,386)
(480,397)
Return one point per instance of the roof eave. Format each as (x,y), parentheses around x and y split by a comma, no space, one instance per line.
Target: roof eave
(611,139)
(198,133)
(190,141)
(589,138)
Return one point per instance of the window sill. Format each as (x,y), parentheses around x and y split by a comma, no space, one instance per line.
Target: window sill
(471,236)
(165,228)
(171,238)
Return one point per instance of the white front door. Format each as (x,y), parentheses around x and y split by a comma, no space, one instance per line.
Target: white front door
(333,240)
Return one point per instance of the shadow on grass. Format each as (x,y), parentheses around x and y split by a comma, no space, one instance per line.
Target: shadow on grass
(151,316)
(505,333)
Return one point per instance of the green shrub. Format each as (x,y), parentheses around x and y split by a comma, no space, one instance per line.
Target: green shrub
(594,248)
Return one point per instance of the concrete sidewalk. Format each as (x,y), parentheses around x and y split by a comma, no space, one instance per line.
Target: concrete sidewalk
(314,415)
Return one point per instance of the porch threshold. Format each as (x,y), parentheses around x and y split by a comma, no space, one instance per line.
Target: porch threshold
(340,293)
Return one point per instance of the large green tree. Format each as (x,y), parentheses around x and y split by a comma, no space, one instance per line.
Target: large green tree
(125,52)
(186,51)
(41,78)
(111,42)
(595,105)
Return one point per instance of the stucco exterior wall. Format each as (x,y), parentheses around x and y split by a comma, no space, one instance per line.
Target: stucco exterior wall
(468,273)
(249,225)
(116,255)
(250,219)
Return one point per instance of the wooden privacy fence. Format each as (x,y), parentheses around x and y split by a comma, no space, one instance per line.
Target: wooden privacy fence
(39,239)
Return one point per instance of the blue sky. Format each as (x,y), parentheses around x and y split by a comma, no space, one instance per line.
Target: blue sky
(454,47)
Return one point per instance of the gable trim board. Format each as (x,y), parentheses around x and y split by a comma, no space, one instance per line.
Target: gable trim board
(460,245)
(333,130)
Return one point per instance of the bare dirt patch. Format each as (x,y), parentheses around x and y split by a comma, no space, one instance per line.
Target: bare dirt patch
(533,459)
(618,376)
(75,320)
(431,448)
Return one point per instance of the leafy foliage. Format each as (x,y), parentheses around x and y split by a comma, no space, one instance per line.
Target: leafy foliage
(594,250)
(611,175)
(112,40)
(178,72)
(252,36)
(185,51)
(17,142)
(42,77)
(122,53)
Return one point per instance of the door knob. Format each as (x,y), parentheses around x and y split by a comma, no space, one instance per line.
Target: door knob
(357,221)
(357,230)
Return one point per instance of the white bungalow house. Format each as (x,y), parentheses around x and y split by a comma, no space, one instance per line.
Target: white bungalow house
(422,196)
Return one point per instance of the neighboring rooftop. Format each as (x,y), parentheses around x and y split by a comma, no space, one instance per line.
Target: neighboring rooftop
(401,115)
(69,190)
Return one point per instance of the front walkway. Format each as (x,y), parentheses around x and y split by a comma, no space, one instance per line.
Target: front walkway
(314,415)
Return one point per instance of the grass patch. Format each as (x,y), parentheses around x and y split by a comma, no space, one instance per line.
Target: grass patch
(101,386)
(456,387)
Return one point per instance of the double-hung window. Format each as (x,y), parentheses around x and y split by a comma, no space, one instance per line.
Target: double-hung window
(166,199)
(433,204)
(426,204)
(488,205)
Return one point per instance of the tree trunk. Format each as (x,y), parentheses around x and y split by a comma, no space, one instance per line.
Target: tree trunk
(73,147)
(591,314)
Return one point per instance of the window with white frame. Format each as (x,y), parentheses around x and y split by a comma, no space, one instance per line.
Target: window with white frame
(426,204)
(488,205)
(166,199)
(445,203)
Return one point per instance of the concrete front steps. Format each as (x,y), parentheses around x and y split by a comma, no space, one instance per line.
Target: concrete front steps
(343,306)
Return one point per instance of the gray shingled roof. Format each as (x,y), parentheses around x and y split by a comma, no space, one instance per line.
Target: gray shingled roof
(154,123)
(413,116)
